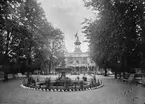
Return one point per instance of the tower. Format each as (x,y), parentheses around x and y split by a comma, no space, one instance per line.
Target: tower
(77,45)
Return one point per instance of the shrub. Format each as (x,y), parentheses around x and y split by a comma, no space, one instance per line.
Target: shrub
(31,81)
(81,84)
(67,82)
(47,82)
(84,78)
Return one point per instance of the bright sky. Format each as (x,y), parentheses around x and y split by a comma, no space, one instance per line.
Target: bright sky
(68,16)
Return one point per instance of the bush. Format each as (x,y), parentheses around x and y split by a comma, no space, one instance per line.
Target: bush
(81,84)
(47,82)
(31,81)
(84,78)
(68,81)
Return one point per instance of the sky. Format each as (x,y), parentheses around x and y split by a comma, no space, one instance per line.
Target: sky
(67,15)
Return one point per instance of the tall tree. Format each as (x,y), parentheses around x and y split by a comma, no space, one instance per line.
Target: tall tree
(113,37)
(25,31)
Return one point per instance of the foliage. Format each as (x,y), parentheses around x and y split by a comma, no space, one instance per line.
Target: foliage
(117,33)
(31,81)
(25,32)
(48,82)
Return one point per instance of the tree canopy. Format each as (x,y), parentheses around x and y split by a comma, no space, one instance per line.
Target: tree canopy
(116,35)
(26,32)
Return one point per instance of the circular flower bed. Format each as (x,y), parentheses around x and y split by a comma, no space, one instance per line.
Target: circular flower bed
(61,84)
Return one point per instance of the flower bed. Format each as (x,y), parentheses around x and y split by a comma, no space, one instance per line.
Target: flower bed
(54,89)
(61,85)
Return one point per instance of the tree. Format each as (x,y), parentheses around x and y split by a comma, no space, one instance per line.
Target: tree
(114,37)
(25,32)
(56,52)
(46,38)
(7,27)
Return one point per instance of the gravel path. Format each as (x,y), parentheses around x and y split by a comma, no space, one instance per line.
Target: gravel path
(113,92)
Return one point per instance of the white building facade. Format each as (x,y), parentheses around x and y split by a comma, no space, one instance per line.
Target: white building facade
(79,61)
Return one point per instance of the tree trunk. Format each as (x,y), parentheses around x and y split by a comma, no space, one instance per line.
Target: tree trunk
(120,75)
(49,67)
(123,74)
(7,43)
(50,63)
(115,75)
(105,72)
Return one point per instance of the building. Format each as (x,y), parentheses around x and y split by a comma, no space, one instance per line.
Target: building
(79,61)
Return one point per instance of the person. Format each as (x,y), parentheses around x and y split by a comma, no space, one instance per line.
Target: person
(78,78)
(84,78)
(94,79)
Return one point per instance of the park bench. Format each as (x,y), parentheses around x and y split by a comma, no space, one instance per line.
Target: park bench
(142,81)
(130,79)
(1,75)
(10,76)
(125,78)
(20,75)
(138,78)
